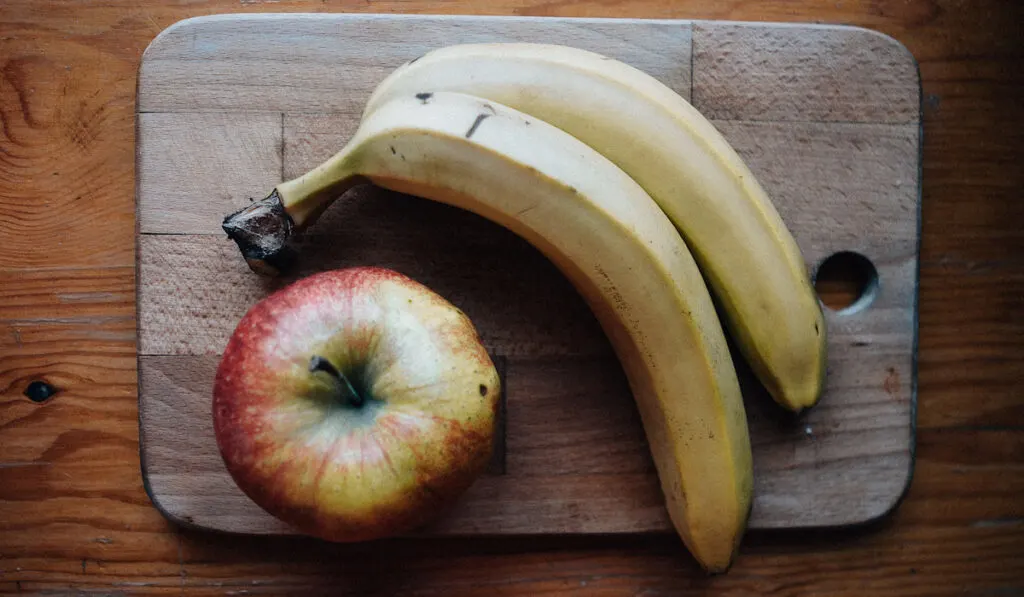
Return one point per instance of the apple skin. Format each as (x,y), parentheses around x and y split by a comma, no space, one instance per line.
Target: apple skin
(297,445)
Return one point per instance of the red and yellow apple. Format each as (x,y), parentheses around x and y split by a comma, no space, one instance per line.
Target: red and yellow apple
(355,404)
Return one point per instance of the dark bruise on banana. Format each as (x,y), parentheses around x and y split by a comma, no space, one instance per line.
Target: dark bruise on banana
(480,118)
(476,123)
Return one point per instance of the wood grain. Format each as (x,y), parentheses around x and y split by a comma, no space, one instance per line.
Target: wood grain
(840,186)
(329,70)
(576,457)
(179,164)
(958,531)
(748,72)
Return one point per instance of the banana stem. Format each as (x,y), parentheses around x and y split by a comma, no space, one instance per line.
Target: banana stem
(306,197)
(262,230)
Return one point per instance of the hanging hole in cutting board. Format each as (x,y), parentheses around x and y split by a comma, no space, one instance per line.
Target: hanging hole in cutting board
(846,282)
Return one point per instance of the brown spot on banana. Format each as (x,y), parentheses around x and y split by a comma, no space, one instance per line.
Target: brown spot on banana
(476,124)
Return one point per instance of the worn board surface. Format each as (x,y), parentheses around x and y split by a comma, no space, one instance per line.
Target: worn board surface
(827,117)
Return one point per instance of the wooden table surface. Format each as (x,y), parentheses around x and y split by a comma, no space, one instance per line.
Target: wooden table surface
(74,518)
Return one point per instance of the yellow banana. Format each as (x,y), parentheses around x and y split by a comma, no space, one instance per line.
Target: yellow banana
(610,240)
(742,245)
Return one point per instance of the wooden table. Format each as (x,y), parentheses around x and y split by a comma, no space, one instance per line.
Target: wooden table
(74,517)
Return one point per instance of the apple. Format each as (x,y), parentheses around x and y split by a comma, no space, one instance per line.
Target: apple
(355,404)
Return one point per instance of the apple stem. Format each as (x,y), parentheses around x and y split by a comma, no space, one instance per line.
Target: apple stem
(318,363)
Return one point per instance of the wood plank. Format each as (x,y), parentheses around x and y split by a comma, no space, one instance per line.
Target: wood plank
(838,186)
(69,476)
(88,361)
(57,293)
(574,445)
(971,320)
(751,72)
(190,163)
(902,561)
(208,65)
(517,300)
(66,161)
(311,138)
(74,329)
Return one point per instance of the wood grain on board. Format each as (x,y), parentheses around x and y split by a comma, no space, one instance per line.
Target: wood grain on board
(225,113)
(801,73)
(74,518)
(331,63)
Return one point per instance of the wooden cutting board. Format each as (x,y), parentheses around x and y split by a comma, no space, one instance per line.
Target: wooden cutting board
(828,118)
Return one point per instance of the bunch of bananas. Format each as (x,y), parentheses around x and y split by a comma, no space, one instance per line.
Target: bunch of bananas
(616,179)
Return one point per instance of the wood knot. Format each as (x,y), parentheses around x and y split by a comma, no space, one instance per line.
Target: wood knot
(40,391)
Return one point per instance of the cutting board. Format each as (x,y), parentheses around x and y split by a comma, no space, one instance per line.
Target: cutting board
(828,118)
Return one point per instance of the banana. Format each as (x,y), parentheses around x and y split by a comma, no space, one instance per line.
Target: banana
(610,240)
(742,245)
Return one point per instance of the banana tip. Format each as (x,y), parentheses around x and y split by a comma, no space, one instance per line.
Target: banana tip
(262,231)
